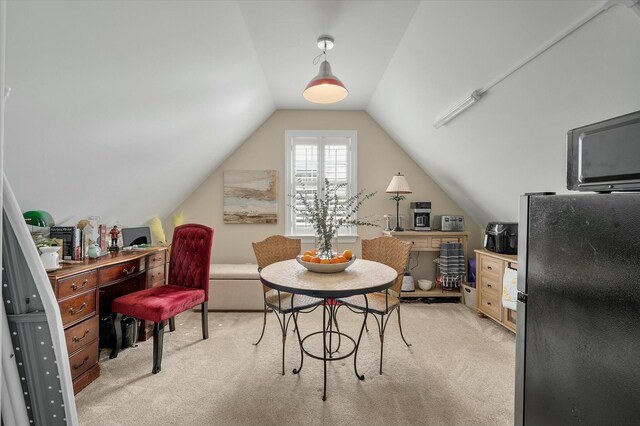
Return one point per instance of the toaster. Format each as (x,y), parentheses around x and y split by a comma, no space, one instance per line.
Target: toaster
(448,222)
(501,237)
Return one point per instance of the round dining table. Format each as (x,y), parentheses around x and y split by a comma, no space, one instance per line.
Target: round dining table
(360,278)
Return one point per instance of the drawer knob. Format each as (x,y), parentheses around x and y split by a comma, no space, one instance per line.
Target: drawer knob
(83,285)
(489,303)
(489,285)
(76,366)
(157,259)
(489,268)
(73,311)
(76,339)
(129,271)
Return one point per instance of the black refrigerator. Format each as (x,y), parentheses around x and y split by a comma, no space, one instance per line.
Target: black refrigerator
(578,325)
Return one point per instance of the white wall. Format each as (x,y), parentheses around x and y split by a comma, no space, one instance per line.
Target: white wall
(379,158)
(120,109)
(513,140)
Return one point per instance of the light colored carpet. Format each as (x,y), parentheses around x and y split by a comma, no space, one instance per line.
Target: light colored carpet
(460,370)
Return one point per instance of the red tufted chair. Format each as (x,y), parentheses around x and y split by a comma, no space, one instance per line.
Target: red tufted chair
(188,286)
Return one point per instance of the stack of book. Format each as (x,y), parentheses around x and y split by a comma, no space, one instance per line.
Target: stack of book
(76,242)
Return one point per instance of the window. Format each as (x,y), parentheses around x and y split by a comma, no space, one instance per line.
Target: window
(310,158)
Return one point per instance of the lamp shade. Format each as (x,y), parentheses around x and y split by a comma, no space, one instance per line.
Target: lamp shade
(325,88)
(398,185)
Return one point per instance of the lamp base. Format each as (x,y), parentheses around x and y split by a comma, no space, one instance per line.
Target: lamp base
(398,229)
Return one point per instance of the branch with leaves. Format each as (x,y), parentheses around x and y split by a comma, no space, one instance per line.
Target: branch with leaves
(327,214)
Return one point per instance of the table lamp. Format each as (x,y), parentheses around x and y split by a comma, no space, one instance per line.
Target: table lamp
(398,185)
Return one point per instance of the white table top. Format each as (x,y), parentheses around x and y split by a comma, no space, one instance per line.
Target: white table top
(363,276)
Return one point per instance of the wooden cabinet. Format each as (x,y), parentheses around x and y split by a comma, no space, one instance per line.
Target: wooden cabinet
(85,291)
(490,268)
(430,241)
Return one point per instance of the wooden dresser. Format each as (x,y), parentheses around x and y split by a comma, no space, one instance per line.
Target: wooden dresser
(490,268)
(85,291)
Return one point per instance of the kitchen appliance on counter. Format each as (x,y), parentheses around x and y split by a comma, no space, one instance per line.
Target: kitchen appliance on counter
(501,237)
(421,216)
(448,222)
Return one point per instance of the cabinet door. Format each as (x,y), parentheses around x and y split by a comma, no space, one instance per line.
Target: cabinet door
(509,318)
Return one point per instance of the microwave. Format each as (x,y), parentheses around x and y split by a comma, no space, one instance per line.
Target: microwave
(605,156)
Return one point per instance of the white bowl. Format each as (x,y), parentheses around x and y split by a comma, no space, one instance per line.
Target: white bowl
(324,268)
(425,285)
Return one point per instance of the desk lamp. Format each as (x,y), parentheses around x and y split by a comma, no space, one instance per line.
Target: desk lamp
(398,185)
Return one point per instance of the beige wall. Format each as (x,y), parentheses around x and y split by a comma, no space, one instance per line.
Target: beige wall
(379,158)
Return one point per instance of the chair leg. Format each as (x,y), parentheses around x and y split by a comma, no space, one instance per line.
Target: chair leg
(158,335)
(117,324)
(381,340)
(172,324)
(284,339)
(264,324)
(205,320)
(400,325)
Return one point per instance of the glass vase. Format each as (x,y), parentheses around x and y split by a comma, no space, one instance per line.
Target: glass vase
(326,246)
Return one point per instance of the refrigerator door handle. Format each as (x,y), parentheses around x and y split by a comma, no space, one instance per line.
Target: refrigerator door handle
(522,297)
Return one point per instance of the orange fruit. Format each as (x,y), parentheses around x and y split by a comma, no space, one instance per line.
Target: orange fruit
(306,258)
(314,251)
(341,259)
(325,261)
(315,259)
(307,253)
(335,260)
(347,254)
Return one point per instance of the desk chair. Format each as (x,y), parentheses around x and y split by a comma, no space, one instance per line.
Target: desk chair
(188,286)
(394,253)
(274,249)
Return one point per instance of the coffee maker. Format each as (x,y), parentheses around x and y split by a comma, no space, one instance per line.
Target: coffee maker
(421,216)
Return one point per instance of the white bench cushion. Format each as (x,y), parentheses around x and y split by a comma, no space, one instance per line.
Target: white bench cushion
(235,271)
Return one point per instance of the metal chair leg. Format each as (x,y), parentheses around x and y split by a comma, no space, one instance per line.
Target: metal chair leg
(284,339)
(117,324)
(172,324)
(158,335)
(381,340)
(400,325)
(205,320)
(264,324)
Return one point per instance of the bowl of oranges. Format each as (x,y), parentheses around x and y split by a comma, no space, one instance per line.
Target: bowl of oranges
(338,262)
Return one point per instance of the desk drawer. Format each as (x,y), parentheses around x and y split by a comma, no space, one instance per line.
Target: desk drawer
(490,265)
(84,359)
(155,260)
(120,271)
(77,284)
(155,277)
(77,308)
(436,242)
(489,283)
(490,305)
(80,334)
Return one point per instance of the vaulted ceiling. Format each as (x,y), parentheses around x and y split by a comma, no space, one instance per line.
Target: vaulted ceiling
(123,108)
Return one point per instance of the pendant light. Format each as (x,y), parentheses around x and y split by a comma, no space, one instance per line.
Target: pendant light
(325,88)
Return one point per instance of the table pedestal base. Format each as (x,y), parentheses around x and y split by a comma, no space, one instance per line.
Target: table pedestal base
(330,307)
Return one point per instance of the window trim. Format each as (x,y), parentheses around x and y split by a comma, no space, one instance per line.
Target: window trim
(352,188)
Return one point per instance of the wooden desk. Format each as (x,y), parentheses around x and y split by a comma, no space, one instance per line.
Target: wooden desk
(431,241)
(85,291)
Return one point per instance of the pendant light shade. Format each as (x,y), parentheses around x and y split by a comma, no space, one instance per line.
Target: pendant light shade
(325,88)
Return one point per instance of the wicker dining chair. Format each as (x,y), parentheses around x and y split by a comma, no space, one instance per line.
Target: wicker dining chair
(271,250)
(394,253)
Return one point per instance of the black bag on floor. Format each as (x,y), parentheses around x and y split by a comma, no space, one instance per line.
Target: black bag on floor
(130,327)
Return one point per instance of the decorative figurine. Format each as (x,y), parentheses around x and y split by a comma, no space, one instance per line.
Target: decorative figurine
(114,239)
